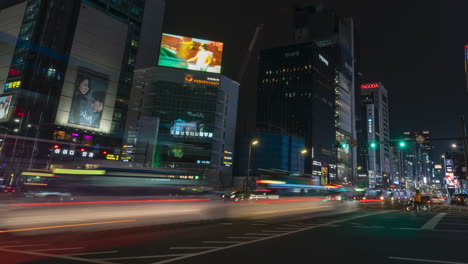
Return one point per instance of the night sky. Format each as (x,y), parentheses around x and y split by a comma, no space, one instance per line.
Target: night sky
(415,48)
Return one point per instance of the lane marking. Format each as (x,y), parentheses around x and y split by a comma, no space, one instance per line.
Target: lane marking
(194,247)
(222,242)
(262,239)
(407,228)
(62,226)
(288,210)
(33,245)
(258,234)
(56,249)
(258,224)
(431,224)
(250,237)
(289,228)
(144,257)
(93,253)
(55,256)
(274,231)
(428,260)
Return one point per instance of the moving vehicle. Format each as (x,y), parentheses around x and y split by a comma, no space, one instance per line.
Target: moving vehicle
(252,195)
(423,207)
(459,199)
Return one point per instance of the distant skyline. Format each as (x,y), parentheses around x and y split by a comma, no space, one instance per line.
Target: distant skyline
(415,48)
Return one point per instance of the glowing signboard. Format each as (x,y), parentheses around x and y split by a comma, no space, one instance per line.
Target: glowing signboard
(370,86)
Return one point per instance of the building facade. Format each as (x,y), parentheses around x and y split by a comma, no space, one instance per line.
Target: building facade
(374,100)
(183,120)
(297,93)
(67,86)
(335,35)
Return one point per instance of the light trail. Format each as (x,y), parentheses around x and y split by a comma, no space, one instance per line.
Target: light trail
(63,226)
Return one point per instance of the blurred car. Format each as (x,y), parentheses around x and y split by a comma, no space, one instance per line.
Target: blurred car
(437,200)
(251,195)
(9,190)
(459,199)
(50,195)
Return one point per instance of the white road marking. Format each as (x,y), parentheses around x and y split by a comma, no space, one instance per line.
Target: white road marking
(428,260)
(262,239)
(193,247)
(370,227)
(274,231)
(288,210)
(258,224)
(55,256)
(33,245)
(222,242)
(144,257)
(56,249)
(93,253)
(407,228)
(431,224)
(258,234)
(289,228)
(245,237)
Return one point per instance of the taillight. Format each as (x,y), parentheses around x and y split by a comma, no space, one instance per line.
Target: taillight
(13,191)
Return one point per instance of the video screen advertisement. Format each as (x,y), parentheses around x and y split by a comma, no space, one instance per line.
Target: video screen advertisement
(5,103)
(190,53)
(88,99)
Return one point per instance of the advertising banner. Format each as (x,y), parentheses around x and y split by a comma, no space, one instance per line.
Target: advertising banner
(88,100)
(5,103)
(190,53)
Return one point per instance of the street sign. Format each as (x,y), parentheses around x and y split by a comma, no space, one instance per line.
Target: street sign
(420,139)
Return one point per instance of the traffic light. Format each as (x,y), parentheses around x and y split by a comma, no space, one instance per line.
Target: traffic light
(402,144)
(82,149)
(343,145)
(56,146)
(373,145)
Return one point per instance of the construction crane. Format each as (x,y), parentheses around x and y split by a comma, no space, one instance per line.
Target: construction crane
(249,53)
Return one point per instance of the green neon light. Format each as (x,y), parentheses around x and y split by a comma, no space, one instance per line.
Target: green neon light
(81,172)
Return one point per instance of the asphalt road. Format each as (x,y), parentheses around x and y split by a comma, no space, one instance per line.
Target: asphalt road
(376,233)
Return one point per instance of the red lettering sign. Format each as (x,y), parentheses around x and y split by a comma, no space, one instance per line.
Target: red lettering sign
(369,86)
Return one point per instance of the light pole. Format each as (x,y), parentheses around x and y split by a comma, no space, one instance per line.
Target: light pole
(251,144)
(302,152)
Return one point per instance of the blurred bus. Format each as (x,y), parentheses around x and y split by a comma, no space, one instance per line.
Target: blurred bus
(107,181)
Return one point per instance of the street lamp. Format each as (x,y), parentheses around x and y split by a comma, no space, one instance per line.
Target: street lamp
(253,143)
(302,152)
(454,145)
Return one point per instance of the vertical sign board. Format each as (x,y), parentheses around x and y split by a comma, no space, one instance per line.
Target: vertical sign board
(466,58)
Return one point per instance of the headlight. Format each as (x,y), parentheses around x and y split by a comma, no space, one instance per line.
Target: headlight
(232,196)
(381,197)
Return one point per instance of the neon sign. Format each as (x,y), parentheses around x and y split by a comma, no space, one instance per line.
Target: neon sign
(369,86)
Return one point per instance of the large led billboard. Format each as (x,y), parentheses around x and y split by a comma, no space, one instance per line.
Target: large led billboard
(190,53)
(88,100)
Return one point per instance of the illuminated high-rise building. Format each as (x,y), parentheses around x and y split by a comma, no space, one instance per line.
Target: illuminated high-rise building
(375,145)
(297,94)
(66,73)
